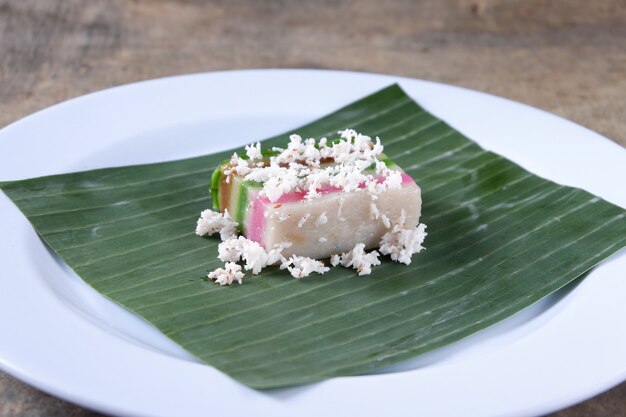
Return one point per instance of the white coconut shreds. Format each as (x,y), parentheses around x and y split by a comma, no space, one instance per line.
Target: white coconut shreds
(254,151)
(303,220)
(400,243)
(360,260)
(226,276)
(386,221)
(302,166)
(303,266)
(253,255)
(230,250)
(237,166)
(275,255)
(374,213)
(322,219)
(211,222)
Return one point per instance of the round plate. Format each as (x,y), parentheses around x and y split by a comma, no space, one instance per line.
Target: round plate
(64,338)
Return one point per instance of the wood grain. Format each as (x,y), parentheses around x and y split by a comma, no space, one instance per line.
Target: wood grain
(567,57)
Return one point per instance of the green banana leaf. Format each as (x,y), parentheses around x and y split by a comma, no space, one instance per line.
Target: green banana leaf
(500,238)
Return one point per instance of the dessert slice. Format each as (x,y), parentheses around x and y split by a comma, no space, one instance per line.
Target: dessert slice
(322,198)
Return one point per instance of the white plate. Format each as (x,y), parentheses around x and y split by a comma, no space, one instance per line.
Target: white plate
(61,336)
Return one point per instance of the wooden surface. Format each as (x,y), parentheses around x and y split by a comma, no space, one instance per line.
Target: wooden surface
(567,57)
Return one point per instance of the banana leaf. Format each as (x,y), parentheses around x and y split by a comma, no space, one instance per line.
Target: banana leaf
(500,239)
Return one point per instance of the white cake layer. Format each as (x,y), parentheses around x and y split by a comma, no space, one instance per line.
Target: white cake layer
(350,220)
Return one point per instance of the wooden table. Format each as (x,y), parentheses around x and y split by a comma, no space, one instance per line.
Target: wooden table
(567,57)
